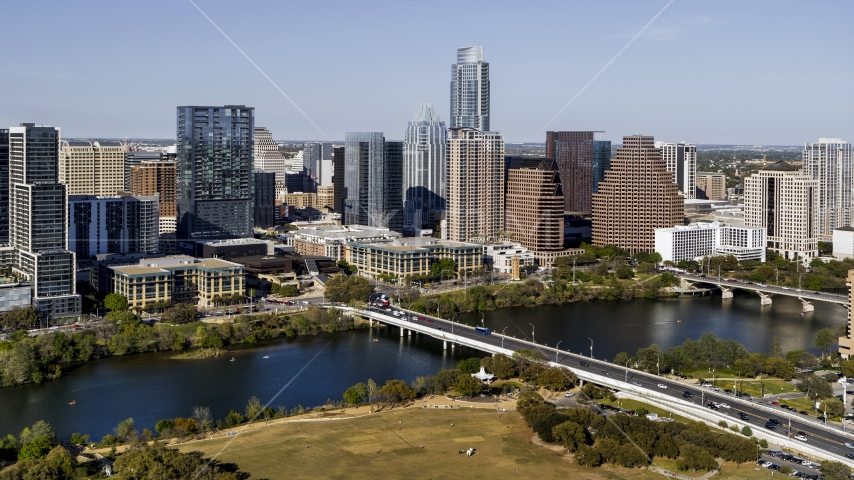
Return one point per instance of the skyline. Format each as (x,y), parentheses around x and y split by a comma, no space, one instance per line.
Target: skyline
(754,85)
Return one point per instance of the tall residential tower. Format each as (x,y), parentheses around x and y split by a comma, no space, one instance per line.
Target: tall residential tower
(470,90)
(831,162)
(681,161)
(373,170)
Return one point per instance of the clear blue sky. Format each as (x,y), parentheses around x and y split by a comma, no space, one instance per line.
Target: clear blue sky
(759,72)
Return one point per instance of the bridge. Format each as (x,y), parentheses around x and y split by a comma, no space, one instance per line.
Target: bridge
(727,285)
(825,441)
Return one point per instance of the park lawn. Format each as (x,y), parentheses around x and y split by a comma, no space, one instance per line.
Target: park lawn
(755,387)
(801,404)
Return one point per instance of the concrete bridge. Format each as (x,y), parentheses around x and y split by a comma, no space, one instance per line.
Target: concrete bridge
(727,285)
(825,441)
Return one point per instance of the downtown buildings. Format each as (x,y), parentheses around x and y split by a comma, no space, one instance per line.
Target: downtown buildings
(706,239)
(681,160)
(785,201)
(830,161)
(470,90)
(582,162)
(424,169)
(373,171)
(92,168)
(214,173)
(113,224)
(157,177)
(637,196)
(268,158)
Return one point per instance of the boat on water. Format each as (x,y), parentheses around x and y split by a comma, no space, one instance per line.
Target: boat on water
(73,402)
(266,356)
(376,340)
(232,359)
(678,321)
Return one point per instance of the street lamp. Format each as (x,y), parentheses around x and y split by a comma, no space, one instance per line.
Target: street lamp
(502,337)
(658,364)
(627,369)
(452,323)
(556,350)
(482,319)
(533,331)
(591,346)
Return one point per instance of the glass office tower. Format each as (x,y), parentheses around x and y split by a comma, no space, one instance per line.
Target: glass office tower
(424,163)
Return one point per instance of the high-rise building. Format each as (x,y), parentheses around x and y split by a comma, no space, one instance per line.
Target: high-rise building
(37,220)
(157,178)
(135,158)
(636,197)
(424,168)
(267,155)
(265,199)
(681,161)
(313,155)
(373,170)
(831,162)
(601,161)
(785,200)
(214,172)
(325,196)
(711,186)
(338,182)
(533,206)
(114,224)
(475,185)
(4,186)
(92,168)
(470,90)
(573,152)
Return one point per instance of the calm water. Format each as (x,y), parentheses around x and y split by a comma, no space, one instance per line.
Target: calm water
(154,386)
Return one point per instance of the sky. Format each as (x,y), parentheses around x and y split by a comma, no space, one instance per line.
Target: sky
(707,72)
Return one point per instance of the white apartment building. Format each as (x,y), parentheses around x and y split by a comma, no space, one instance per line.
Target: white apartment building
(843,243)
(267,154)
(500,256)
(92,168)
(705,239)
(681,161)
(785,201)
(831,162)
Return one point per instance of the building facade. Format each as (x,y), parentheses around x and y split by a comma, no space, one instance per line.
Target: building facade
(115,224)
(681,161)
(601,161)
(37,220)
(267,155)
(4,186)
(424,169)
(412,257)
(534,203)
(92,168)
(711,186)
(500,256)
(470,90)
(331,240)
(326,196)
(338,183)
(265,199)
(785,201)
(157,178)
(831,162)
(574,154)
(475,185)
(706,239)
(636,197)
(373,181)
(214,172)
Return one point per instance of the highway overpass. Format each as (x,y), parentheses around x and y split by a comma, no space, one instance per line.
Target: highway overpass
(826,441)
(727,285)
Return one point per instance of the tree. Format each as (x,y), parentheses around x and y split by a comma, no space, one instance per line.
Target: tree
(570,435)
(344,289)
(500,365)
(556,379)
(528,399)
(126,430)
(180,314)
(35,448)
(621,359)
(814,386)
(469,365)
(373,390)
(625,273)
(356,394)
(775,350)
(824,338)
(847,367)
(780,368)
(397,390)
(654,257)
(695,458)
(155,460)
(19,317)
(467,385)
(253,408)
(78,439)
(746,431)
(38,429)
(202,416)
(116,302)
(444,266)
(588,456)
(835,470)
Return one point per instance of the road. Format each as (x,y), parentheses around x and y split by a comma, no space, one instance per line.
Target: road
(818,435)
(769,289)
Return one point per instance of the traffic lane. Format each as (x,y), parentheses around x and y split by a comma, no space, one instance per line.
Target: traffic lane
(828,441)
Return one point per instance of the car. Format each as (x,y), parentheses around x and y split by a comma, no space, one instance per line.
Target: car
(421,318)
(687,394)
(849,455)
(584,364)
(712,405)
(774,421)
(770,425)
(783,405)
(743,416)
(430,320)
(723,405)
(849,445)
(636,383)
(218,313)
(569,394)
(606,372)
(662,386)
(726,390)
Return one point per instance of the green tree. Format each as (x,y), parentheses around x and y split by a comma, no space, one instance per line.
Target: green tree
(847,367)
(19,317)
(500,365)
(116,302)
(695,458)
(253,408)
(397,390)
(356,394)
(815,387)
(621,359)
(835,470)
(625,273)
(180,314)
(556,379)
(824,338)
(78,439)
(746,431)
(56,465)
(469,365)
(373,389)
(467,385)
(528,399)
(570,435)
(35,448)
(444,266)
(588,456)
(654,257)
(126,430)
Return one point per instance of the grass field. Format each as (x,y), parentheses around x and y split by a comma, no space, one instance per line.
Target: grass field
(348,449)
(755,387)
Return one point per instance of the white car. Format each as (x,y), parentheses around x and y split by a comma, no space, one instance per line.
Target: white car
(723,405)
(661,385)
(569,394)
(849,445)
(802,438)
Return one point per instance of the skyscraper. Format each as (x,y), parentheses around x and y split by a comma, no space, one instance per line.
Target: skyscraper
(785,200)
(681,161)
(475,185)
(113,224)
(601,161)
(265,199)
(214,172)
(157,178)
(573,152)
(267,155)
(831,161)
(38,219)
(4,186)
(313,155)
(424,165)
(373,170)
(533,209)
(92,168)
(338,159)
(470,90)
(637,196)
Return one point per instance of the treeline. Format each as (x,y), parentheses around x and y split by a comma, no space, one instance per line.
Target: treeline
(36,359)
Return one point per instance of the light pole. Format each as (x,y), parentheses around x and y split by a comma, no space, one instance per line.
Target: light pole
(556,350)
(777,272)
(452,323)
(627,370)
(658,364)
(533,331)
(502,337)
(482,319)
(591,346)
